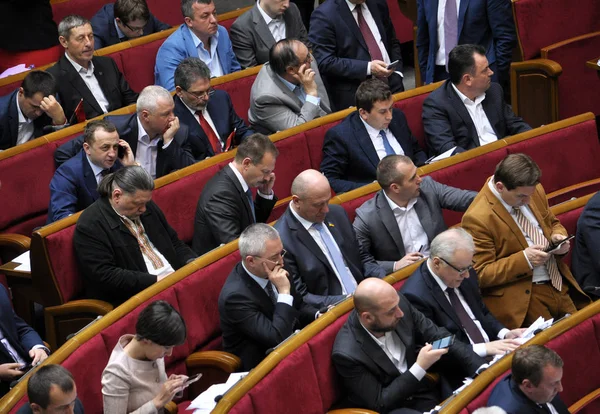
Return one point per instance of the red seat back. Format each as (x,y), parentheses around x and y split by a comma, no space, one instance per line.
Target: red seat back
(239,91)
(403,26)
(84,8)
(413,109)
(35,58)
(351,205)
(138,64)
(63,264)
(168,12)
(314,140)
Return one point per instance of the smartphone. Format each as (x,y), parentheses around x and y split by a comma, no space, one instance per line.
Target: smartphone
(191,380)
(553,246)
(393,65)
(121,152)
(443,343)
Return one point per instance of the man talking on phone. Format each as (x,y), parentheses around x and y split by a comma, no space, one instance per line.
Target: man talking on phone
(74,185)
(377,355)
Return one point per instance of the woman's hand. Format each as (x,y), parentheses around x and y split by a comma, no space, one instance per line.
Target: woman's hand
(171,387)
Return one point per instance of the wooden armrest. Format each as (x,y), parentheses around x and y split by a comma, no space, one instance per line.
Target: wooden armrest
(352,411)
(584,401)
(171,408)
(572,188)
(17,242)
(95,306)
(220,359)
(547,66)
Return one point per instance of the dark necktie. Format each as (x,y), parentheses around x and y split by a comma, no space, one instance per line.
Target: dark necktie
(450,27)
(271,293)
(251,201)
(105,172)
(210,133)
(372,45)
(467,323)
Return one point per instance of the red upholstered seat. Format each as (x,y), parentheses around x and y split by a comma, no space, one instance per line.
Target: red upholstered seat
(62,260)
(85,8)
(138,64)
(314,140)
(166,11)
(481,399)
(7,89)
(239,91)
(569,222)
(292,160)
(413,109)
(351,205)
(36,58)
(402,24)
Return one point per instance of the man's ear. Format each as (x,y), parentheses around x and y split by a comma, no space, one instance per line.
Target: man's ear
(63,41)
(35,408)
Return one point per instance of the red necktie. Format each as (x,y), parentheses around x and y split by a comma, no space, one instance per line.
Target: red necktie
(374,50)
(210,133)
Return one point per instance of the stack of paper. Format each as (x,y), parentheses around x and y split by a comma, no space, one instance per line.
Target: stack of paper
(205,402)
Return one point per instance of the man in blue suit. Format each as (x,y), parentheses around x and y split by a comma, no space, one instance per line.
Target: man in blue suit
(124,20)
(20,344)
(25,112)
(323,255)
(352,40)
(200,36)
(352,149)
(213,124)
(482,22)
(533,385)
(586,261)
(74,185)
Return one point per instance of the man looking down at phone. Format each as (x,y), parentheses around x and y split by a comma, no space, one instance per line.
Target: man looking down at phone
(512,227)
(377,353)
(258,305)
(445,290)
(74,185)
(288,90)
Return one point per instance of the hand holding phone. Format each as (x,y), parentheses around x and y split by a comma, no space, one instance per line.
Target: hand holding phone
(443,342)
(553,247)
(191,380)
(392,66)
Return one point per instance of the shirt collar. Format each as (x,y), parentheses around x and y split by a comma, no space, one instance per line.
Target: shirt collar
(261,282)
(395,206)
(379,341)
(305,223)
(465,99)
(264,14)
(142,133)
(370,130)
(22,118)
(88,72)
(95,169)
(289,85)
(198,42)
(497,194)
(439,281)
(120,34)
(245,186)
(351,5)
(193,111)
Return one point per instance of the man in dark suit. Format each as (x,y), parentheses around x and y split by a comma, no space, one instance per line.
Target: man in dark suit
(323,255)
(81,75)
(20,345)
(258,305)
(353,40)
(586,260)
(226,206)
(481,22)
(156,138)
(213,124)
(468,110)
(533,385)
(353,148)
(256,31)
(74,184)
(376,353)
(25,112)
(123,242)
(445,289)
(397,225)
(124,20)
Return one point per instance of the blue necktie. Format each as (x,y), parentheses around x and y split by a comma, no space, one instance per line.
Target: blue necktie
(386,144)
(337,258)
(251,201)
(299,92)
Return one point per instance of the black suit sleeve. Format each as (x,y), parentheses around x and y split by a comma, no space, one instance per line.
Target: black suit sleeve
(177,155)
(263,207)
(418,155)
(236,123)
(128,96)
(394,50)
(438,129)
(222,214)
(335,163)
(514,123)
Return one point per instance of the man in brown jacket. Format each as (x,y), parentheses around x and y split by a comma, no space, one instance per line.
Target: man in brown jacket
(512,225)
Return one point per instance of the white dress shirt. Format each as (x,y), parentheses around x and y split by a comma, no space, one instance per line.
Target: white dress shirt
(26,127)
(540,273)
(276,26)
(485,132)
(206,116)
(440,55)
(414,237)
(147,150)
(91,82)
(314,233)
(96,170)
(281,297)
(377,140)
(211,58)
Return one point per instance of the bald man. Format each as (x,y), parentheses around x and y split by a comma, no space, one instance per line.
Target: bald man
(375,353)
(323,254)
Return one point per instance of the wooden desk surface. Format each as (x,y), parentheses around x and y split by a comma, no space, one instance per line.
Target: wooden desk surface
(593,64)
(9,270)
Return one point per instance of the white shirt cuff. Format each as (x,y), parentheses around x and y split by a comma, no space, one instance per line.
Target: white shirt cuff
(528,262)
(417,371)
(369,69)
(165,146)
(502,333)
(267,196)
(315,100)
(285,298)
(399,73)
(41,346)
(480,350)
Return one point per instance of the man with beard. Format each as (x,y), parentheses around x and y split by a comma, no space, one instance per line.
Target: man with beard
(376,355)
(214,126)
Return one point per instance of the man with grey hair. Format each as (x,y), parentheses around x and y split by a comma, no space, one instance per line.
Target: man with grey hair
(443,290)
(258,305)
(214,127)
(82,77)
(157,140)
(324,256)
(123,242)
(199,36)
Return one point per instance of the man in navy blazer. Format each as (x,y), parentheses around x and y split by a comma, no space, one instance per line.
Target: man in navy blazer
(323,255)
(200,36)
(468,110)
(25,345)
(352,149)
(586,260)
(220,128)
(74,184)
(342,52)
(434,285)
(488,23)
(25,112)
(124,20)
(533,385)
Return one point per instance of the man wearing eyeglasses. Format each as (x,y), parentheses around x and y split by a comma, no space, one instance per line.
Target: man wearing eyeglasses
(445,289)
(214,126)
(124,20)
(258,305)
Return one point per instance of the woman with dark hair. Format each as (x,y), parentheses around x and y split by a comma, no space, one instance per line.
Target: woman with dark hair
(135,381)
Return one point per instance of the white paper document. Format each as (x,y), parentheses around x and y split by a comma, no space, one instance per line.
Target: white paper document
(205,402)
(442,156)
(25,263)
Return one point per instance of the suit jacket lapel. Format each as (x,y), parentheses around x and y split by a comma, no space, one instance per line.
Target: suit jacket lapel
(461,15)
(102,81)
(389,221)
(283,88)
(378,21)
(78,84)
(460,109)
(305,238)
(348,18)
(220,121)
(13,118)
(425,218)
(402,332)
(492,115)
(88,176)
(364,140)
(261,27)
(499,209)
(438,294)
(372,349)
(241,192)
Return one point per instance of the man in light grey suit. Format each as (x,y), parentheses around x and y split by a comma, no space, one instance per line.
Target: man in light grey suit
(288,90)
(397,225)
(255,32)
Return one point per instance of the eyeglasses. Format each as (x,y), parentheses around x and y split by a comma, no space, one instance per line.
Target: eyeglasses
(460,271)
(200,95)
(281,254)
(133,29)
